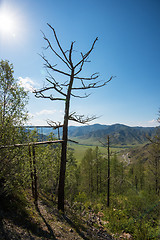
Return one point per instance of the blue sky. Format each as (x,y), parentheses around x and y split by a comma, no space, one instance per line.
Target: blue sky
(128,48)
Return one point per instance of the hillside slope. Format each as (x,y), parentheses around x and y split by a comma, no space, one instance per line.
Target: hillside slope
(19,221)
(91,134)
(119,134)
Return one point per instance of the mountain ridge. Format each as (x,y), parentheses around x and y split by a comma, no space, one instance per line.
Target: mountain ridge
(120,134)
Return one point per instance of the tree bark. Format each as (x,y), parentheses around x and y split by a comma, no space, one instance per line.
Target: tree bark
(31,172)
(65,90)
(35,177)
(108,177)
(64,147)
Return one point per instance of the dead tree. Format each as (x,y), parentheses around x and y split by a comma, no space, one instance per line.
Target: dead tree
(31,172)
(55,125)
(66,89)
(108,175)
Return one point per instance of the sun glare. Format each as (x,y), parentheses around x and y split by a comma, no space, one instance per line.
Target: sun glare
(8,23)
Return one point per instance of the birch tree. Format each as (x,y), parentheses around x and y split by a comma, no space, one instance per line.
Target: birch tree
(13,100)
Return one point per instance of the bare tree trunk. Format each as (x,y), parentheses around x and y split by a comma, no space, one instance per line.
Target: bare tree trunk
(91,180)
(66,91)
(97,169)
(62,171)
(31,171)
(100,179)
(64,148)
(35,177)
(97,180)
(108,177)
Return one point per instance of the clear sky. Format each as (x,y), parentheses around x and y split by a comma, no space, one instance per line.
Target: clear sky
(128,48)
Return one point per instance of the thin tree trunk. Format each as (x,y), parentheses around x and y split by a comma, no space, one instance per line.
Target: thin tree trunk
(35,177)
(100,179)
(97,160)
(91,180)
(108,177)
(31,171)
(156,176)
(64,148)
(62,171)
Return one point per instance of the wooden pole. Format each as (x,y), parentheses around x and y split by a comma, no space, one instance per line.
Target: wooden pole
(31,172)
(108,177)
(32,143)
(35,177)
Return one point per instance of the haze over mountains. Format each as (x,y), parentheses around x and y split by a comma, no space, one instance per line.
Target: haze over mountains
(119,134)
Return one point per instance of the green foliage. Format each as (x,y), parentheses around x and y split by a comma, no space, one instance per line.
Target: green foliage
(134,187)
(13,100)
(135,214)
(117,175)
(72,176)
(154,164)
(134,209)
(93,170)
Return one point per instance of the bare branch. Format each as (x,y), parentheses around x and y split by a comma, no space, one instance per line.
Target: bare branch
(54,125)
(50,76)
(92,77)
(58,43)
(43,90)
(81,118)
(73,141)
(58,90)
(91,85)
(87,54)
(59,71)
(31,143)
(54,83)
(65,84)
(78,96)
(81,66)
(155,140)
(70,54)
(82,83)
(48,65)
(50,46)
(59,85)
(39,94)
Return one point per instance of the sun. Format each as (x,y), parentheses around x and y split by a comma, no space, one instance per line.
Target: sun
(8,22)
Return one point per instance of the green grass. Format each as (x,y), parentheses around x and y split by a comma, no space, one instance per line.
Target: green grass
(79,150)
(84,144)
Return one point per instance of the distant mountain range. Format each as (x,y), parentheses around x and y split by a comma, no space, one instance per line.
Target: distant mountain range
(119,134)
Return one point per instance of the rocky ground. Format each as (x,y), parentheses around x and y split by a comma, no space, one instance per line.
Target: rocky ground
(47,223)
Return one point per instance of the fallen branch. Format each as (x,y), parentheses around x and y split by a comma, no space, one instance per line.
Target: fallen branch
(31,143)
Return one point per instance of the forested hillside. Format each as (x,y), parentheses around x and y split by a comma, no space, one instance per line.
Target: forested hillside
(79,84)
(119,134)
(107,195)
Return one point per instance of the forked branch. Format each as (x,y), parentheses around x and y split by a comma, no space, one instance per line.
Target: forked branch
(50,46)
(54,125)
(66,90)
(59,43)
(86,55)
(81,118)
